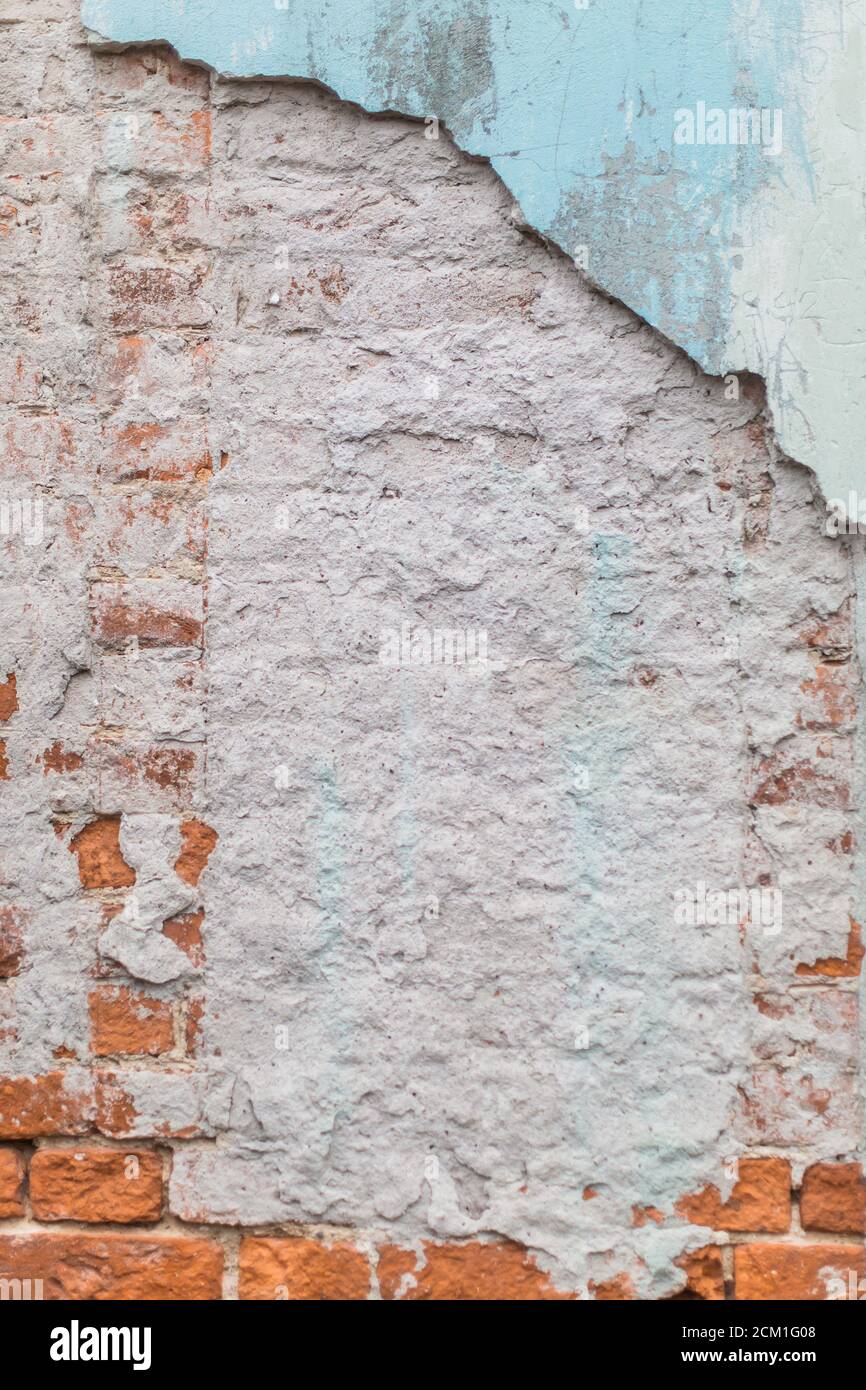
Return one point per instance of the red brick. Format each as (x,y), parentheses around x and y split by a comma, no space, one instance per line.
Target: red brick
(11,1183)
(139,68)
(123,1023)
(760,1199)
(20,379)
(833,1198)
(295,1268)
(140,530)
(96,1185)
(192,1030)
(783,1109)
(772,1271)
(176,452)
(780,783)
(845,967)
(123,613)
(144,778)
(8,696)
(100,862)
(197,843)
(830,702)
(108,1266)
(59,759)
(35,1106)
(12,921)
(185,932)
(704,1273)
(619,1289)
(472,1271)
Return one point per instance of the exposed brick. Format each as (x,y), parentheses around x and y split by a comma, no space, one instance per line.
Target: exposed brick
(704,1273)
(811,1272)
(295,1268)
(501,1270)
(192,1031)
(59,759)
(54,1103)
(197,842)
(619,1289)
(11,1183)
(12,921)
(760,1199)
(159,777)
(805,781)
(845,967)
(641,1215)
(123,1023)
(833,1198)
(108,1266)
(116,1116)
(95,1185)
(185,932)
(100,862)
(175,452)
(8,696)
(126,613)
(114,423)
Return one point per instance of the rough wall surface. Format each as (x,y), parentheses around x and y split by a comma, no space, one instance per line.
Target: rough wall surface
(338,957)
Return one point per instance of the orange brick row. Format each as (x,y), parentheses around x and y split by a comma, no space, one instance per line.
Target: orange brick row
(87,1185)
(125,1187)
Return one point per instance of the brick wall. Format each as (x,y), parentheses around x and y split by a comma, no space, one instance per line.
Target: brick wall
(322,981)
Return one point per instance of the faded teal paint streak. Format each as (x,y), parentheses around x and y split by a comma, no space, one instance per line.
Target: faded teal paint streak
(328,834)
(577,110)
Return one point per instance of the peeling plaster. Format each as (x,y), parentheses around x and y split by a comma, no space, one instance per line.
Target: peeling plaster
(749,260)
(426,904)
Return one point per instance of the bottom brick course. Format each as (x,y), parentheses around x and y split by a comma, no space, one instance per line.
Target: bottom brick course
(302,1269)
(474,1271)
(115,1266)
(767,1270)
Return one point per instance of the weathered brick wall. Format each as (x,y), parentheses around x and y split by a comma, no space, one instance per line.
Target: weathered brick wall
(325,978)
